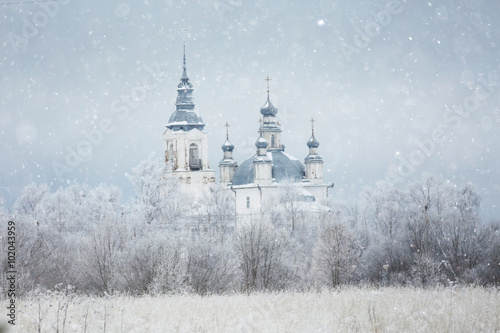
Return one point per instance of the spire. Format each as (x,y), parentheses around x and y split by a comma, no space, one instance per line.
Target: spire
(268,79)
(184,68)
(184,78)
(185,116)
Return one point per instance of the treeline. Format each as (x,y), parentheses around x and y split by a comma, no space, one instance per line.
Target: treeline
(163,241)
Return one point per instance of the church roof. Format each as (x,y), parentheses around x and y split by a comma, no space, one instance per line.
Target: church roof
(284,167)
(185,120)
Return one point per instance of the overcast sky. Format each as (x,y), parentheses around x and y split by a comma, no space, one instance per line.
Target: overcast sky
(397,88)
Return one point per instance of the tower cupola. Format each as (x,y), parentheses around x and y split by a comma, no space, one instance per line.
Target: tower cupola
(227,165)
(313,162)
(185,117)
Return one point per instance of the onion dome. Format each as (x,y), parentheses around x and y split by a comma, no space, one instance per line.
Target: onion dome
(268,109)
(227,146)
(312,142)
(261,143)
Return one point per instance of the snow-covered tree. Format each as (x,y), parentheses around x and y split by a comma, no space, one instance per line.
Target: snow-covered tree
(146,251)
(386,256)
(103,204)
(63,210)
(158,198)
(444,224)
(30,197)
(268,257)
(489,269)
(336,256)
(289,209)
(212,266)
(170,275)
(213,213)
(101,254)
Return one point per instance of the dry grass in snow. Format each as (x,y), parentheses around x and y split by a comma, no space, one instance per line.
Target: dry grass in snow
(346,310)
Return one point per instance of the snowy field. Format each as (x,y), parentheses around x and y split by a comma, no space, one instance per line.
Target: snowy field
(348,310)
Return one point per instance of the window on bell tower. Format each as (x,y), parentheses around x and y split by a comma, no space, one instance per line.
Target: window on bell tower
(194,157)
(248,202)
(170,153)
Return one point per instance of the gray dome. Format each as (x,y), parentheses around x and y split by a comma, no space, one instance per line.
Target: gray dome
(313,143)
(284,167)
(227,146)
(185,120)
(261,143)
(268,109)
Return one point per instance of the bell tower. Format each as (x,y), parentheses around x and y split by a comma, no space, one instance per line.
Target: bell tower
(186,142)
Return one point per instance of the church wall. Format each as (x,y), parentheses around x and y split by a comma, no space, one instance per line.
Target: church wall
(226,174)
(195,182)
(314,172)
(263,173)
(319,191)
(248,201)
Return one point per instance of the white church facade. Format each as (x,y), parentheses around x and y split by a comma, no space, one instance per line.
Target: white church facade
(258,181)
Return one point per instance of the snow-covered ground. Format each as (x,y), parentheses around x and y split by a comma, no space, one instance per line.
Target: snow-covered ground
(471,309)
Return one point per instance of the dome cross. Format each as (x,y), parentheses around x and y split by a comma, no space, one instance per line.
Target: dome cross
(268,79)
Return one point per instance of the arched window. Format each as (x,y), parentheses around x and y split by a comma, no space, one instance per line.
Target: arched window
(170,153)
(248,202)
(273,144)
(194,157)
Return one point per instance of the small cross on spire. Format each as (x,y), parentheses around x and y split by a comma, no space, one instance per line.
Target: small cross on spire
(260,126)
(268,79)
(184,42)
(227,130)
(312,126)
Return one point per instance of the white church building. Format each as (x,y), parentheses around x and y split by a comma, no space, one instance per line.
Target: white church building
(258,181)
